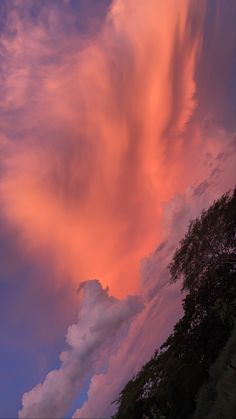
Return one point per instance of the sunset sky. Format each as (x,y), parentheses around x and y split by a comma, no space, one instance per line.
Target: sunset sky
(117,127)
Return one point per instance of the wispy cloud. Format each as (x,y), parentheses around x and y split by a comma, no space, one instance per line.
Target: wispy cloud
(86,123)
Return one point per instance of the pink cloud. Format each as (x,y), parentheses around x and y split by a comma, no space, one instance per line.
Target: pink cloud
(86,122)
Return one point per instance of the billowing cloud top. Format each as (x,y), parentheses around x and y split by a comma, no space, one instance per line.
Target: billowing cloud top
(101,317)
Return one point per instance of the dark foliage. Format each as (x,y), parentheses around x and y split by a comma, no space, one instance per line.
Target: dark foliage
(217,397)
(167,386)
(209,244)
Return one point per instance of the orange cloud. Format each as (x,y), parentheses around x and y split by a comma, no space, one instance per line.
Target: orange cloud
(95,146)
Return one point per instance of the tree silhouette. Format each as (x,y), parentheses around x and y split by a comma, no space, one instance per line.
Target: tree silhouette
(210,243)
(167,386)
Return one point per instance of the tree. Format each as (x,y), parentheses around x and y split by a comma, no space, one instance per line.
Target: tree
(210,243)
(217,397)
(167,386)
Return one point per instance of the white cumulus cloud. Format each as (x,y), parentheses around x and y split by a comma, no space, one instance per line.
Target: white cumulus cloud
(101,319)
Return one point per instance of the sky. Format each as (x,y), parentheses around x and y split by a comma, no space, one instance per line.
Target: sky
(117,127)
